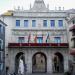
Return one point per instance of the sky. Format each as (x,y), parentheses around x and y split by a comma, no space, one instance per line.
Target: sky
(11,4)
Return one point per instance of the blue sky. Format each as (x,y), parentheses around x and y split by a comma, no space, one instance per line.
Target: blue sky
(10,4)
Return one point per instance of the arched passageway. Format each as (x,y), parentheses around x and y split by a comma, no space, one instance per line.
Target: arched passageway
(20,63)
(58,62)
(39,62)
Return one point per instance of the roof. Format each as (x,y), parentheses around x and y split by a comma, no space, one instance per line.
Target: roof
(3,23)
(39,5)
(8,13)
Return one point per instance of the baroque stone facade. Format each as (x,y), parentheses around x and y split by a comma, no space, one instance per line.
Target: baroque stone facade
(39,37)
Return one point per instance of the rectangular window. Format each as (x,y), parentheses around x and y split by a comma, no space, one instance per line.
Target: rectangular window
(33,23)
(1,55)
(73,43)
(1,44)
(39,39)
(73,21)
(1,66)
(74,58)
(1,28)
(17,23)
(57,39)
(21,40)
(52,23)
(45,23)
(25,23)
(60,23)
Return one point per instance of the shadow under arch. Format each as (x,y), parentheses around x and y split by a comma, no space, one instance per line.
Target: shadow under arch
(58,61)
(39,63)
(19,56)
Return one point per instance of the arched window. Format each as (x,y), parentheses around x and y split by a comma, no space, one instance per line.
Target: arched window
(1,44)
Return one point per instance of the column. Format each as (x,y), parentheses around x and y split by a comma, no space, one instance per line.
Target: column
(49,64)
(66,66)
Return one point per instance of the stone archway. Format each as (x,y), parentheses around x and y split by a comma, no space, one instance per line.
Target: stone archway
(18,60)
(58,62)
(39,63)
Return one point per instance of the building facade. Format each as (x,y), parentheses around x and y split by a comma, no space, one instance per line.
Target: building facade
(38,38)
(71,27)
(2,48)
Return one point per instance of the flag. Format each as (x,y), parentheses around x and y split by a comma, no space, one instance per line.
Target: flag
(29,37)
(47,38)
(35,39)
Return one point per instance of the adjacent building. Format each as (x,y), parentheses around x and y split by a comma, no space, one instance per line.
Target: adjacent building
(2,47)
(38,38)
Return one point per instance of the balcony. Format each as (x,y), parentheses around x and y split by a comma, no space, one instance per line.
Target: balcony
(12,45)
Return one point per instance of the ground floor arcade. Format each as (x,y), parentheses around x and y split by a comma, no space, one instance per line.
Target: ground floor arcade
(41,60)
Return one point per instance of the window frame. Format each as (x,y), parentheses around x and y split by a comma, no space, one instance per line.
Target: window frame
(73,21)
(18,22)
(52,23)
(38,39)
(1,28)
(44,23)
(1,67)
(1,45)
(26,23)
(57,40)
(33,23)
(20,40)
(1,56)
(60,23)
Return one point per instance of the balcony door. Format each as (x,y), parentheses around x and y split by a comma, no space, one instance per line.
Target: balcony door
(39,39)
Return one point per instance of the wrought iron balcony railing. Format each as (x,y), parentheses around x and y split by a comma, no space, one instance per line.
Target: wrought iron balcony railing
(11,45)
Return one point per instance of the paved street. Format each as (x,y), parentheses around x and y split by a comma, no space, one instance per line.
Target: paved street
(46,74)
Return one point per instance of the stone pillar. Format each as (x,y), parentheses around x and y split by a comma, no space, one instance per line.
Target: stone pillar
(49,64)
(66,65)
(29,62)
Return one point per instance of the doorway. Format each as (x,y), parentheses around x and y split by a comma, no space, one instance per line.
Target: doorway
(39,63)
(58,63)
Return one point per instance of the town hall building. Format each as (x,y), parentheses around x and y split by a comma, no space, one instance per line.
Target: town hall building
(38,38)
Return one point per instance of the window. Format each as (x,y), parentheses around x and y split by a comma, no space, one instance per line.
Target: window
(73,21)
(73,43)
(39,39)
(57,39)
(45,23)
(1,28)
(74,58)
(1,44)
(60,23)
(17,23)
(25,23)
(33,23)
(21,40)
(1,55)
(1,66)
(52,23)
